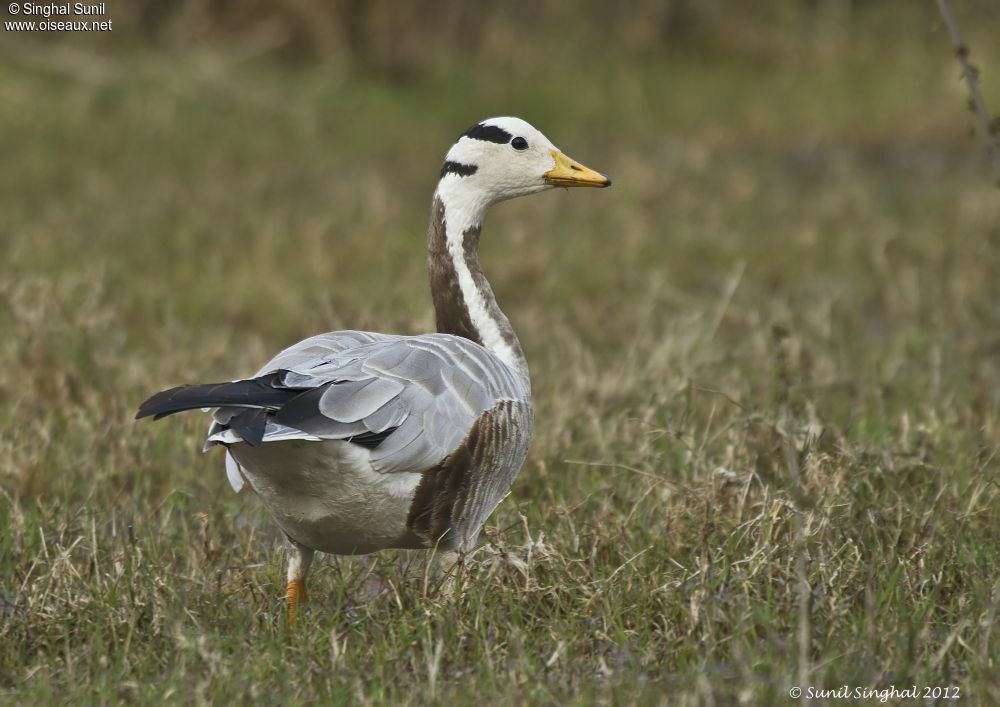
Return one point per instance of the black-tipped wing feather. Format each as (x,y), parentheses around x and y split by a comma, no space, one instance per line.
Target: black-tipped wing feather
(263,392)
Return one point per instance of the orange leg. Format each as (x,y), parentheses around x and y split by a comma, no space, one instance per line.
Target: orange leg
(295,593)
(299,560)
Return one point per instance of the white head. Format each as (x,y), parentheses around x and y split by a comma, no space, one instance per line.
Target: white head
(502,158)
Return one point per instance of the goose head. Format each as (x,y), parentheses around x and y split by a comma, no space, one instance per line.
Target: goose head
(503,158)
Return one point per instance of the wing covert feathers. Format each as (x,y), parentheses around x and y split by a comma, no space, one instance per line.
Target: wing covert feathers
(410,400)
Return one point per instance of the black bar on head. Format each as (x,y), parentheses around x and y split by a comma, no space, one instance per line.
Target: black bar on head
(462,170)
(489,133)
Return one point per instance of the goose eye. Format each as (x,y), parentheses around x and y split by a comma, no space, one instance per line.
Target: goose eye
(519,143)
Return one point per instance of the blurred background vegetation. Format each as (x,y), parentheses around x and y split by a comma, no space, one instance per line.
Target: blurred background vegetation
(771,349)
(406,40)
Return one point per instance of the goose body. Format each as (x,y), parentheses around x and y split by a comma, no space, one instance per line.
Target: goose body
(361,441)
(371,422)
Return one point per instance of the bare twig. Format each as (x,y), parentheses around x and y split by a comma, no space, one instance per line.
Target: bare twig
(804,592)
(991,128)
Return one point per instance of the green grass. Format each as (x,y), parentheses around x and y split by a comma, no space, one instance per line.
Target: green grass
(768,354)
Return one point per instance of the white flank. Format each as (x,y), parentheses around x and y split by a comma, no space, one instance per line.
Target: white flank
(327,496)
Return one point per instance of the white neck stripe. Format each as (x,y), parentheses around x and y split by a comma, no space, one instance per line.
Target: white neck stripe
(458,221)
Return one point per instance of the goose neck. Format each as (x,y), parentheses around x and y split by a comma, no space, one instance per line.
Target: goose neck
(464,303)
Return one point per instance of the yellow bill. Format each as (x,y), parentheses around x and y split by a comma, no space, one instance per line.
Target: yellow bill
(568,172)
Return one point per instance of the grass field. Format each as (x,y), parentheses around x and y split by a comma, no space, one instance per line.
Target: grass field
(766,366)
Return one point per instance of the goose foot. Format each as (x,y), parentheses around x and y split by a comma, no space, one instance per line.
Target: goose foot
(299,560)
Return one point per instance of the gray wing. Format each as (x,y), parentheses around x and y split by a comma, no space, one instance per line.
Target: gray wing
(418,396)
(316,348)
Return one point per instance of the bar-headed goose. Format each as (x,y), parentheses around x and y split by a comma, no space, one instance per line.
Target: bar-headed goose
(359,441)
